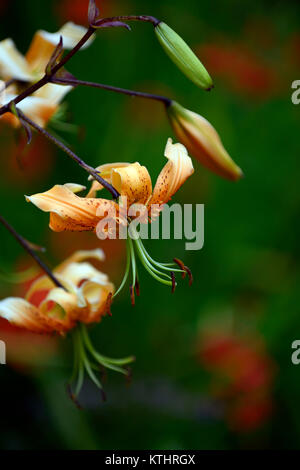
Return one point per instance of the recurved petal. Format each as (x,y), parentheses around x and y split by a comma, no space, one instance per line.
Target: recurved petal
(12,62)
(42,285)
(81,255)
(44,43)
(96,293)
(134,182)
(60,310)
(77,273)
(90,286)
(21,313)
(105,171)
(68,211)
(174,174)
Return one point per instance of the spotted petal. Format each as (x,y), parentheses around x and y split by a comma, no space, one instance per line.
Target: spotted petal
(134,182)
(174,173)
(106,172)
(71,212)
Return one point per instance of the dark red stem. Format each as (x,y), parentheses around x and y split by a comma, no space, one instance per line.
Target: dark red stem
(29,250)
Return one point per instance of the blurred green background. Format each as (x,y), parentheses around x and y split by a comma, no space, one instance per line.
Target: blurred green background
(213,368)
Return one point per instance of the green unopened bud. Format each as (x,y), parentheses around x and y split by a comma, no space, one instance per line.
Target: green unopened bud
(202,141)
(182,55)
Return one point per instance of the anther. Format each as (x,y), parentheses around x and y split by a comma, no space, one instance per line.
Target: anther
(173,282)
(182,267)
(190,275)
(128,376)
(132,296)
(103,395)
(137,288)
(73,397)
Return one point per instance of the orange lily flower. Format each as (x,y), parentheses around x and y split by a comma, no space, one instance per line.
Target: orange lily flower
(85,299)
(43,104)
(73,213)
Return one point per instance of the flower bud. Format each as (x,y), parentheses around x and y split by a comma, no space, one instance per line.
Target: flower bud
(202,141)
(181,54)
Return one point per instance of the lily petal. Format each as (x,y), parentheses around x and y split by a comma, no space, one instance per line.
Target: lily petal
(42,284)
(44,43)
(91,288)
(81,255)
(134,182)
(71,212)
(106,172)
(75,188)
(60,310)
(37,109)
(178,169)
(53,93)
(21,313)
(12,63)
(96,294)
(79,272)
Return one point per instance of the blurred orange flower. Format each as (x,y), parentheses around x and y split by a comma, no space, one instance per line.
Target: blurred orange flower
(77,10)
(27,163)
(243,375)
(241,68)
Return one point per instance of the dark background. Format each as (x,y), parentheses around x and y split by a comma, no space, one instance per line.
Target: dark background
(213,367)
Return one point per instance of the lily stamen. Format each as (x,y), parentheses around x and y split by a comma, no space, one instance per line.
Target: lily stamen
(185,269)
(87,360)
(181,265)
(137,288)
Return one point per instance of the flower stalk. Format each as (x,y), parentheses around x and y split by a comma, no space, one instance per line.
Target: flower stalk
(31,249)
(69,152)
(74,82)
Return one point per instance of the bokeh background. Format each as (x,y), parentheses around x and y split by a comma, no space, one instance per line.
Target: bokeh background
(213,368)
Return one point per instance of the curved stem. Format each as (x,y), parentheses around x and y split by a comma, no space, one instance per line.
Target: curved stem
(146,18)
(124,91)
(71,154)
(26,245)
